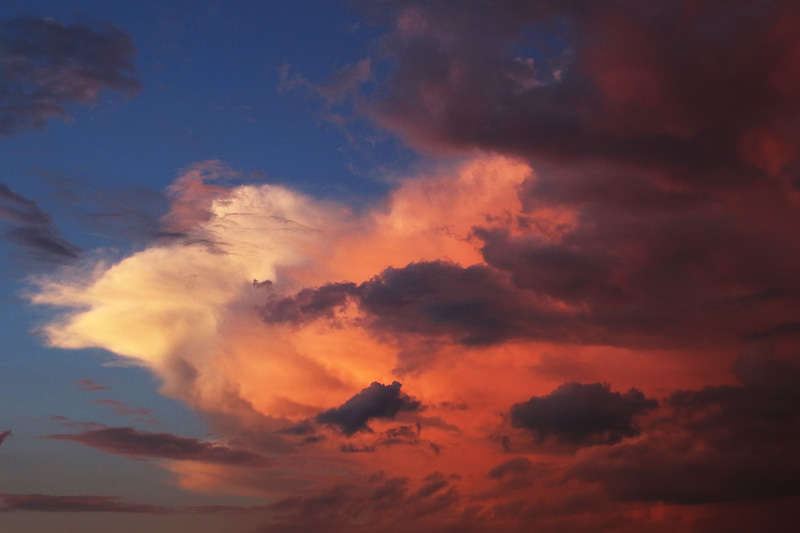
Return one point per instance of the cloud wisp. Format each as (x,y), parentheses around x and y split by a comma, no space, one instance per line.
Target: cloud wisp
(134,443)
(33,229)
(46,65)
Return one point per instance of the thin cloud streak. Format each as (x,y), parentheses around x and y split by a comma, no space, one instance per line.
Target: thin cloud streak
(33,229)
(134,443)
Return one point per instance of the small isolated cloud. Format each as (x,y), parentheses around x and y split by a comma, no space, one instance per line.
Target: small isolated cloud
(89,385)
(46,65)
(582,414)
(123,408)
(130,442)
(32,228)
(4,435)
(376,401)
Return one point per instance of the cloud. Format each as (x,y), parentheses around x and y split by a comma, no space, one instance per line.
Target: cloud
(46,65)
(389,503)
(131,442)
(89,385)
(580,81)
(582,414)
(74,504)
(375,401)
(104,504)
(4,435)
(722,443)
(33,229)
(476,304)
(123,408)
(515,466)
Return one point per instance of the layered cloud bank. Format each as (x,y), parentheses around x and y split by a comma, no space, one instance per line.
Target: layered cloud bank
(588,323)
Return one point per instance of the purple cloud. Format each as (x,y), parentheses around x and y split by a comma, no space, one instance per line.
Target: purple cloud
(33,229)
(46,65)
(375,401)
(582,414)
(130,442)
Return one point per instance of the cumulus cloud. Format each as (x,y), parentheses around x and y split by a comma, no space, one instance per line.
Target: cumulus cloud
(134,443)
(582,414)
(46,65)
(375,401)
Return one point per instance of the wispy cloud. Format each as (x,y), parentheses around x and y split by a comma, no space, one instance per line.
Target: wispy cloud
(46,65)
(134,443)
(33,229)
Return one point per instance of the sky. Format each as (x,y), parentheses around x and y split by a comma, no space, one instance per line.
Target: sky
(400,265)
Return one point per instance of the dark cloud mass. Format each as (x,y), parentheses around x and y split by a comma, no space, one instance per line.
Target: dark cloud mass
(701,89)
(582,414)
(669,129)
(375,401)
(129,441)
(475,305)
(721,443)
(46,65)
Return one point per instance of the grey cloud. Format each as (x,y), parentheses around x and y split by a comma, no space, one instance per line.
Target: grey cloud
(582,414)
(722,443)
(375,401)
(131,442)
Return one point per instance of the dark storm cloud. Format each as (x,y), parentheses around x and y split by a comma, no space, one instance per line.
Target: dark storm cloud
(375,401)
(722,443)
(698,90)
(582,414)
(131,442)
(46,65)
(32,228)
(668,128)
